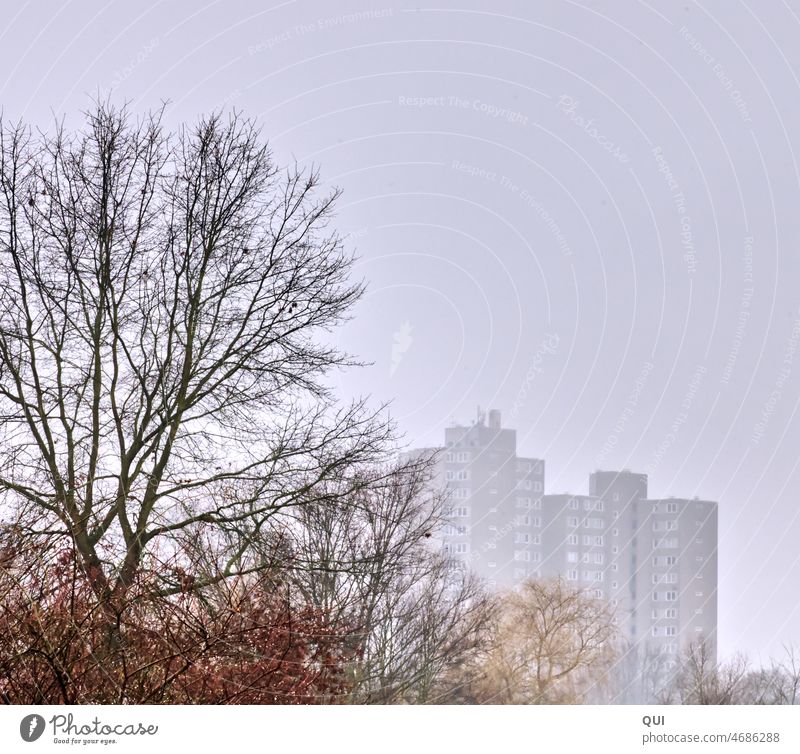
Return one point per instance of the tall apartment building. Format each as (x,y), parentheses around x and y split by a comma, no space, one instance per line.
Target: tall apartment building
(575,542)
(654,560)
(495,502)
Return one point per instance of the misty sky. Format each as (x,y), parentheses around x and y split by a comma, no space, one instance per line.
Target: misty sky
(584,214)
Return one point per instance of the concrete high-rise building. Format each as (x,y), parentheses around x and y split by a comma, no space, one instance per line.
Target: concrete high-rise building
(654,560)
(677,574)
(575,543)
(494,504)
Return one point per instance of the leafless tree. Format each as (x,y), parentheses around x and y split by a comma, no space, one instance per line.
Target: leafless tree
(164,304)
(705,680)
(550,644)
(373,564)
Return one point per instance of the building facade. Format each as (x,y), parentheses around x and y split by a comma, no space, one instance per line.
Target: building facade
(653,560)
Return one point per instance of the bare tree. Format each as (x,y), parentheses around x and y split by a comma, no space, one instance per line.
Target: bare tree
(164,300)
(550,644)
(371,564)
(704,680)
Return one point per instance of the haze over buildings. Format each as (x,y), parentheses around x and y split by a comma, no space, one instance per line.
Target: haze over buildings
(653,559)
(584,212)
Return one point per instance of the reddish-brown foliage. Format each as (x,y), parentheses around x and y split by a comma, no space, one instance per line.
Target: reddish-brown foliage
(246,642)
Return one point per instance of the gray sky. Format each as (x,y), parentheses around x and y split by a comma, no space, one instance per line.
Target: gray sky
(584,214)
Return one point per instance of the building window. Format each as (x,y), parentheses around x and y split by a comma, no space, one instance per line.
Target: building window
(671,612)
(524,484)
(572,521)
(572,575)
(572,539)
(670,631)
(665,543)
(522,555)
(672,507)
(664,560)
(537,521)
(574,504)
(536,539)
(522,539)
(665,596)
(537,486)
(461,512)
(523,502)
(665,525)
(614,550)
